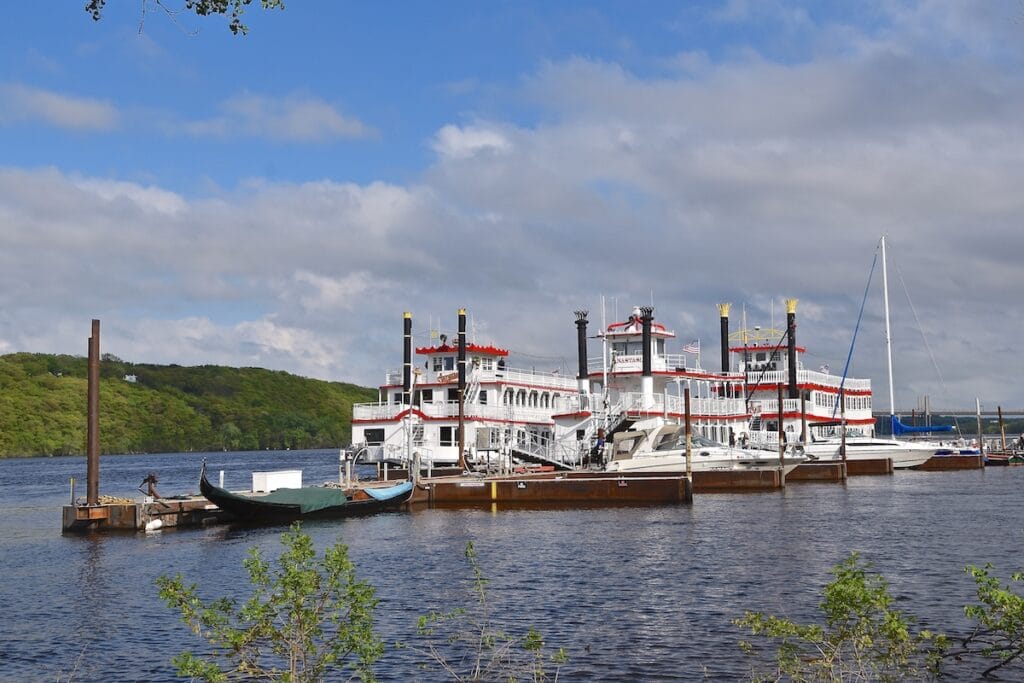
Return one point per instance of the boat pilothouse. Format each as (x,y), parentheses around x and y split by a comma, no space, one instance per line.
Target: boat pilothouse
(503,409)
(770,360)
(640,383)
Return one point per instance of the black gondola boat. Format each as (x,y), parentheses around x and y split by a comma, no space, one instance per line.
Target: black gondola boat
(304,503)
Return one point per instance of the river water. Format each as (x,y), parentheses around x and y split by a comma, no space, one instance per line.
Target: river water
(632,593)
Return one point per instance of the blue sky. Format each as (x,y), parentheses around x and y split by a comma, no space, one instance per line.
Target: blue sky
(280,199)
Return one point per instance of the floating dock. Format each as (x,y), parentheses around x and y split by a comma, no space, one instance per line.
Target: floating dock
(946,463)
(540,489)
(832,471)
(563,489)
(869,466)
(163,513)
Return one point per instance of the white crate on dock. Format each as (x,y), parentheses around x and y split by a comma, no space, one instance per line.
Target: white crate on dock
(265,482)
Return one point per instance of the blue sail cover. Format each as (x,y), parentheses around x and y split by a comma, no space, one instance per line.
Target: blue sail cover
(900,428)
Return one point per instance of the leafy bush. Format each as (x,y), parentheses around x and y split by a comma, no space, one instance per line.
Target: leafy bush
(863,637)
(305,618)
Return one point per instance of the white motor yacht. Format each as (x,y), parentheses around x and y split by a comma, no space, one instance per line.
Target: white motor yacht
(663,449)
(904,454)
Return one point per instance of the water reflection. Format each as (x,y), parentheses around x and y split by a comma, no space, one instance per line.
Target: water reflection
(633,593)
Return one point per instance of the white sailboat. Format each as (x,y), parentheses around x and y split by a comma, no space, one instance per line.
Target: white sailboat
(904,454)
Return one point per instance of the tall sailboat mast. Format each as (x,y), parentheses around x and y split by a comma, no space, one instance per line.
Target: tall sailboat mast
(888,332)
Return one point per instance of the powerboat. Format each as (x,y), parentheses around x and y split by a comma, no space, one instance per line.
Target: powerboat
(904,454)
(663,449)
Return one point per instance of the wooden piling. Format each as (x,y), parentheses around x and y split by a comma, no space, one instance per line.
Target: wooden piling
(1002,428)
(689,434)
(782,435)
(93,418)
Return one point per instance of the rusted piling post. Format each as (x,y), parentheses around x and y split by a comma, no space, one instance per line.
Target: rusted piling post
(842,426)
(803,418)
(1002,428)
(689,433)
(981,436)
(782,432)
(93,419)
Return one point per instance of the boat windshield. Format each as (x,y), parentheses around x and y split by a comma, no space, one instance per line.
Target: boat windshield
(677,442)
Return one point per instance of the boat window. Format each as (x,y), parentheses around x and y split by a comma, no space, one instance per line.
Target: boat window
(427,395)
(373,436)
(483,397)
(449,362)
(448,436)
(486,363)
(677,442)
(437,363)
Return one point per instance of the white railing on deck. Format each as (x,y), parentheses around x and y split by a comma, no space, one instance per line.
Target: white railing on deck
(633,402)
(535,378)
(450,409)
(635,363)
(809,377)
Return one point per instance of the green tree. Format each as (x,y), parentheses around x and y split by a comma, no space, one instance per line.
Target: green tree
(999,621)
(473,648)
(308,616)
(230,436)
(233,8)
(863,638)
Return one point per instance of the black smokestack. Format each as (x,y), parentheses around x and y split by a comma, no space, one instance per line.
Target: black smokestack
(723,312)
(407,358)
(646,317)
(581,344)
(794,392)
(462,350)
(462,387)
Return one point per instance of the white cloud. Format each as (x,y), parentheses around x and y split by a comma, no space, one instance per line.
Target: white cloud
(149,199)
(294,118)
(24,103)
(745,180)
(457,142)
(325,294)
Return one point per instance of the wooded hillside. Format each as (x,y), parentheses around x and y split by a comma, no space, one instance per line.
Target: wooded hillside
(168,408)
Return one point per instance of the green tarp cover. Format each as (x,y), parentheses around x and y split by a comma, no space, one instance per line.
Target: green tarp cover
(308,499)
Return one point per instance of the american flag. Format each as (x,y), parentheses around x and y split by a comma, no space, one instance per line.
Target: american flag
(692,347)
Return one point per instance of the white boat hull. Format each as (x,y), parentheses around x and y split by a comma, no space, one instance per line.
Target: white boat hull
(675,463)
(904,454)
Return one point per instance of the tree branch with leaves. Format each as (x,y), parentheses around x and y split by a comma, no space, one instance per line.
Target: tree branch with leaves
(467,645)
(308,616)
(203,8)
(998,632)
(863,637)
